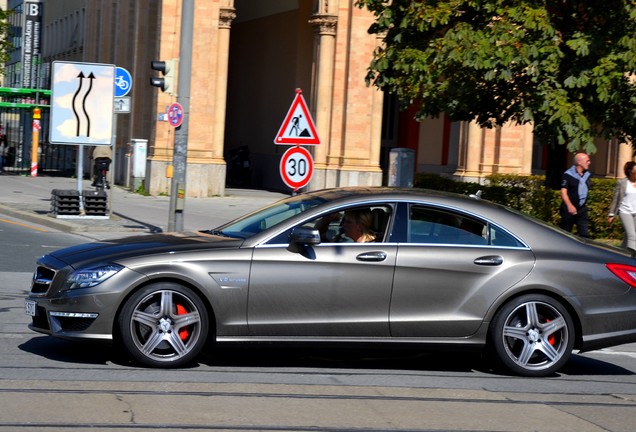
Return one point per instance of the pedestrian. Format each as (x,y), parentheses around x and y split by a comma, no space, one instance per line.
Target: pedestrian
(3,150)
(624,204)
(575,186)
(102,156)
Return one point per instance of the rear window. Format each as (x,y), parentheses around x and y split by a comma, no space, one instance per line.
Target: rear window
(429,225)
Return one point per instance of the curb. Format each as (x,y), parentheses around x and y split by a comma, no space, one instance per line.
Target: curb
(93,232)
(42,220)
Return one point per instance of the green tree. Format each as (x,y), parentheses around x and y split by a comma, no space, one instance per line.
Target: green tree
(5,44)
(567,66)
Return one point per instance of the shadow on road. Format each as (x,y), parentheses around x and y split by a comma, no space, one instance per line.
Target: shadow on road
(68,352)
(302,357)
(343,358)
(581,365)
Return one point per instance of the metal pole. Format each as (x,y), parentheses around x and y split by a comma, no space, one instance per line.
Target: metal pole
(179,159)
(111,174)
(80,177)
(35,138)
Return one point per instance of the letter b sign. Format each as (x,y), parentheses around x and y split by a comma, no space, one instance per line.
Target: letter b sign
(33,9)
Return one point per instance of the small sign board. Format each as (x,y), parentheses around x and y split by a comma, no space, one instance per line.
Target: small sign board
(296,167)
(122,105)
(175,114)
(298,128)
(123,82)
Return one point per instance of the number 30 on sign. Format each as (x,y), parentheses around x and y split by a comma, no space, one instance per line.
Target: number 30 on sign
(296,167)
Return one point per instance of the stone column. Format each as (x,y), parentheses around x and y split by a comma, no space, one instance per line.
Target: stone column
(625,154)
(325,28)
(226,16)
(475,148)
(528,142)
(472,144)
(376,121)
(376,129)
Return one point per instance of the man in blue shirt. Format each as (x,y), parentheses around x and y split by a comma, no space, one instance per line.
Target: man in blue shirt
(575,185)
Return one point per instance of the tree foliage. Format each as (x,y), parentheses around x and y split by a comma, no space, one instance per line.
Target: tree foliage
(5,44)
(567,66)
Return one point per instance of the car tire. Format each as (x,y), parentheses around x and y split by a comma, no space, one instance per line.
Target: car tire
(532,335)
(163,325)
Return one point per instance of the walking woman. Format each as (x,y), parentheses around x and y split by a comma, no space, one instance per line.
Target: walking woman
(624,204)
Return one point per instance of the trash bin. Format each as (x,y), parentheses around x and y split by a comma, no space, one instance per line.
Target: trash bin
(139,154)
(401,167)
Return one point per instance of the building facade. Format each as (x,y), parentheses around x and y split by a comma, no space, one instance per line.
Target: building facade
(248,59)
(256,53)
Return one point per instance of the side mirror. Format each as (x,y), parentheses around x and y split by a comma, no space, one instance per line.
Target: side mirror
(301,237)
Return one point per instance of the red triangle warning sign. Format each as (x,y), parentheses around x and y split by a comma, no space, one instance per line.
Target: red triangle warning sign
(298,127)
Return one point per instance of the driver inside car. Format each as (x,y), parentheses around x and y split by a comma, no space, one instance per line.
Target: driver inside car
(355,227)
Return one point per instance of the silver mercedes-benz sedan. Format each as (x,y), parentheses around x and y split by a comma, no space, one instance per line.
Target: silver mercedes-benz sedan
(354,265)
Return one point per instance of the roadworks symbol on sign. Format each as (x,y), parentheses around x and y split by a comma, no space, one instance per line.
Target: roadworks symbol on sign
(298,127)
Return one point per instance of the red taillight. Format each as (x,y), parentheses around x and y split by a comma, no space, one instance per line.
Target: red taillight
(624,272)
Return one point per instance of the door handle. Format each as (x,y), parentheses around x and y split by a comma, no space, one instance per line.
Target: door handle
(490,260)
(372,256)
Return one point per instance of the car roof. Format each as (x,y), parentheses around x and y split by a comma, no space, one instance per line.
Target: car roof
(380,192)
(385,193)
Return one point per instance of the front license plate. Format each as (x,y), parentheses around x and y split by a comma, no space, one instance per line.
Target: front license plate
(29,307)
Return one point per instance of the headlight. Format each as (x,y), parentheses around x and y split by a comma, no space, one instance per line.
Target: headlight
(86,278)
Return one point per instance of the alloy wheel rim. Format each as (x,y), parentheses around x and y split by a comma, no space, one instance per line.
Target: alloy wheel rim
(535,335)
(165,325)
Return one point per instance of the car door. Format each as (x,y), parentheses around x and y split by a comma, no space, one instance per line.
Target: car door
(450,270)
(330,290)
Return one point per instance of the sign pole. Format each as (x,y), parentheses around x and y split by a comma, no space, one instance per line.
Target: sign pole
(90,111)
(180,153)
(35,142)
(123,85)
(80,177)
(111,174)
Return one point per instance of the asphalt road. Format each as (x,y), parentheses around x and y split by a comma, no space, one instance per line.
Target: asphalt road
(49,384)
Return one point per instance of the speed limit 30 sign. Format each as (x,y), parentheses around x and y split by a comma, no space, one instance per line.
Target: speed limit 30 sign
(296,167)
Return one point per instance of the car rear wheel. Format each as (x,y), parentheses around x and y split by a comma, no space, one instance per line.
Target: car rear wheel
(163,325)
(532,335)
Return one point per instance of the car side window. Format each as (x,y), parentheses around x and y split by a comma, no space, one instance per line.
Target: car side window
(440,226)
(374,219)
(371,221)
(499,237)
(431,225)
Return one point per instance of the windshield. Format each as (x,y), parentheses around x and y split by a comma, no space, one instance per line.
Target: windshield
(267,217)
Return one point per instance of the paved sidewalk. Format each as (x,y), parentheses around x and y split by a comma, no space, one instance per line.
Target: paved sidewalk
(29,199)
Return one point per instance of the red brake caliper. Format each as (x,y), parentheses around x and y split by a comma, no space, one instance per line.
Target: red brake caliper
(551,337)
(184,332)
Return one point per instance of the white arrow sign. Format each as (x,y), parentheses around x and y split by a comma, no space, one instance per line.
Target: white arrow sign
(82,103)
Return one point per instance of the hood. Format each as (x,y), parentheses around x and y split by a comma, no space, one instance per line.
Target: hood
(112,250)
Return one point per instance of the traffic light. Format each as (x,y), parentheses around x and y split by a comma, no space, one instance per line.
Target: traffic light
(167,69)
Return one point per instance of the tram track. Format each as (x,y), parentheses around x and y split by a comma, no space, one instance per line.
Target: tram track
(552,400)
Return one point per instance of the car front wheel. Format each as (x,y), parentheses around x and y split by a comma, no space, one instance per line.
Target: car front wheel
(532,335)
(163,325)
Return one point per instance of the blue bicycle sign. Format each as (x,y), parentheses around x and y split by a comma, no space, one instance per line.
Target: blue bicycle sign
(123,82)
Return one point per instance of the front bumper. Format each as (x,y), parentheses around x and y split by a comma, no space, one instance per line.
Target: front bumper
(81,313)
(65,321)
